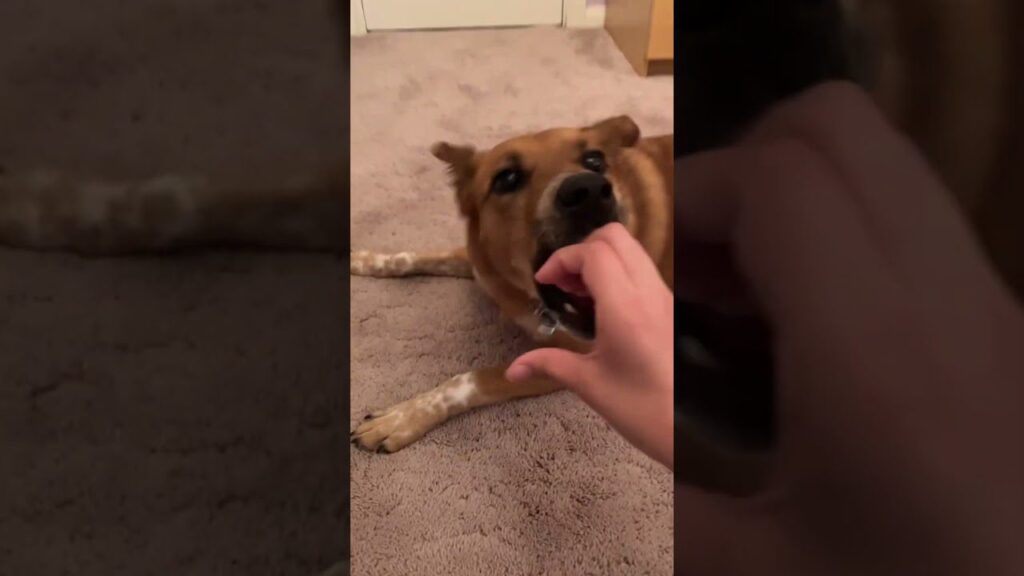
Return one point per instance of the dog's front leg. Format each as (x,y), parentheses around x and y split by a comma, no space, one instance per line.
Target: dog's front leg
(450,263)
(395,428)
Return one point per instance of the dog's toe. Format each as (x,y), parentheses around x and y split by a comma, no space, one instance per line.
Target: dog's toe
(393,429)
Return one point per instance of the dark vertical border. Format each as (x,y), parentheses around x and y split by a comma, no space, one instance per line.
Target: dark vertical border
(343,17)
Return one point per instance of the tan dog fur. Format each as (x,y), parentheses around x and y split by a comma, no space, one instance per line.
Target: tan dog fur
(500,245)
(50,211)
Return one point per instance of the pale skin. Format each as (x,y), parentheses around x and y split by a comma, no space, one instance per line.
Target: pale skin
(627,376)
(900,382)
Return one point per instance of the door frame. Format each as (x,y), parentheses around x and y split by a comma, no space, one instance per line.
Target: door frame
(576,14)
(358,24)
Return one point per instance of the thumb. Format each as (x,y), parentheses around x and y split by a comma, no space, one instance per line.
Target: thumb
(560,365)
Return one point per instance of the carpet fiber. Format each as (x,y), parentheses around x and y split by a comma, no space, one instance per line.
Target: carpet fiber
(540,486)
(170,415)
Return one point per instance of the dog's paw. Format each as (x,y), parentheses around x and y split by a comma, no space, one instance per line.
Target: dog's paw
(366,263)
(399,426)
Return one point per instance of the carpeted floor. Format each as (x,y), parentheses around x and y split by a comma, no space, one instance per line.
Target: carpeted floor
(170,416)
(541,486)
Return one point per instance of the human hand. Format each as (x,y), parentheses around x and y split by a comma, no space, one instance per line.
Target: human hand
(900,379)
(627,377)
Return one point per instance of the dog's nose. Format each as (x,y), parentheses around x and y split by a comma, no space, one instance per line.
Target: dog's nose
(584,190)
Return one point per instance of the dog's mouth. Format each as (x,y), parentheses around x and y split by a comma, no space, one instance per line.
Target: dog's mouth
(558,309)
(580,204)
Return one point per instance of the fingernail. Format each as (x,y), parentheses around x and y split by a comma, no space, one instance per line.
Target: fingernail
(518,373)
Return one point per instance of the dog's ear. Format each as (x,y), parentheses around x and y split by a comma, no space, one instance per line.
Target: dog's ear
(618,131)
(461,161)
(455,156)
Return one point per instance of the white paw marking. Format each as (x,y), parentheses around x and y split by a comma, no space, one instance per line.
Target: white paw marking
(460,393)
(366,262)
(403,261)
(179,191)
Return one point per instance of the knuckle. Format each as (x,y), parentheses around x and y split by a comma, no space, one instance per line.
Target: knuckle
(782,156)
(601,249)
(816,108)
(615,230)
(843,94)
(790,174)
(610,233)
(818,114)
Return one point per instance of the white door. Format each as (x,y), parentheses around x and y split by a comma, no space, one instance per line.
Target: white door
(413,14)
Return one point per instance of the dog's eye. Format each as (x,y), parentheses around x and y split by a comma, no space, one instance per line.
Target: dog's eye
(508,180)
(593,160)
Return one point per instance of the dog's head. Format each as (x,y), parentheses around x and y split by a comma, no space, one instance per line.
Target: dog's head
(533,194)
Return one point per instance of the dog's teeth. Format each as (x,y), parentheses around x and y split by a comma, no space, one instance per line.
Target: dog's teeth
(569,308)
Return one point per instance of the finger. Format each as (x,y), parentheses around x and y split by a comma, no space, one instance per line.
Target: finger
(908,212)
(635,259)
(795,237)
(563,270)
(596,264)
(572,283)
(564,367)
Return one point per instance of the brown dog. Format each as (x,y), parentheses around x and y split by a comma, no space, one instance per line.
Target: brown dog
(521,200)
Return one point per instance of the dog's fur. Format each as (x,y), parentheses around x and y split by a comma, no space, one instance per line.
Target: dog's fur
(42,210)
(503,236)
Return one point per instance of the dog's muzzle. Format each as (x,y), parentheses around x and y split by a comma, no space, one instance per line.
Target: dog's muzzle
(582,203)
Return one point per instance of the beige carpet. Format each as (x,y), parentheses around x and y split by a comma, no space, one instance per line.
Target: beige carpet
(541,486)
(170,415)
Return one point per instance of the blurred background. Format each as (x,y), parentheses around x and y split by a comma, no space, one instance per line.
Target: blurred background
(171,415)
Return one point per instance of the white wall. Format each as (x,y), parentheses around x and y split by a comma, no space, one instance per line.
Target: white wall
(575,14)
